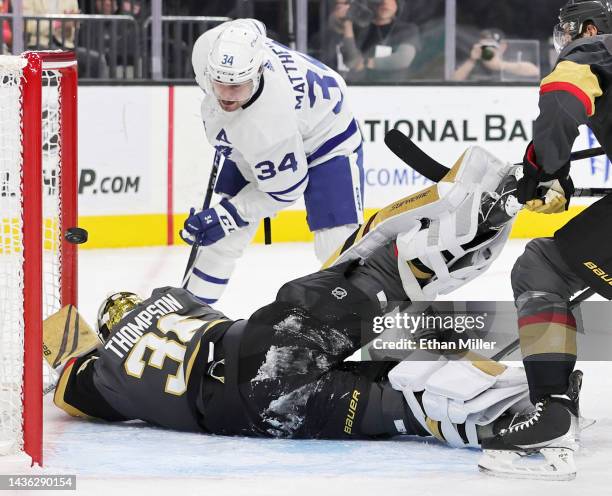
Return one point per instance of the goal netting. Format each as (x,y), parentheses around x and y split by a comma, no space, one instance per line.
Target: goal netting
(37,205)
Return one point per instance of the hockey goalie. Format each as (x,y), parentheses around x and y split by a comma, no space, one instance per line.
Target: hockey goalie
(173,361)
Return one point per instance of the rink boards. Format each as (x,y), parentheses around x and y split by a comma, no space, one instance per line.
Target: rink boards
(144,160)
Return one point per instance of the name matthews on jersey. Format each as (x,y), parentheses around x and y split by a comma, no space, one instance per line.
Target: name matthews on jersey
(286,59)
(126,337)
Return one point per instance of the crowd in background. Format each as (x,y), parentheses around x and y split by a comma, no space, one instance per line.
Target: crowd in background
(367,41)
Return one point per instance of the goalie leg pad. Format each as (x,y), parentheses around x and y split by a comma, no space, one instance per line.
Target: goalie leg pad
(451,208)
(459,395)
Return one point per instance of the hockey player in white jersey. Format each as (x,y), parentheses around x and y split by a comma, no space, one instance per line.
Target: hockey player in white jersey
(282,122)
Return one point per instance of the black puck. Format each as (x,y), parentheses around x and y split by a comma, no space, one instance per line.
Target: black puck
(76,235)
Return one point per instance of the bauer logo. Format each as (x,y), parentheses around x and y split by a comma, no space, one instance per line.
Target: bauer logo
(599,272)
(352,411)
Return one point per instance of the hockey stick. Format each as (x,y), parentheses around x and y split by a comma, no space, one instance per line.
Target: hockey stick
(267,231)
(409,153)
(209,192)
(514,345)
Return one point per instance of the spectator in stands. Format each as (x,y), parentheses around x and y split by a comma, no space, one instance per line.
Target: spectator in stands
(118,46)
(132,7)
(107,7)
(53,35)
(383,49)
(60,34)
(329,41)
(486,62)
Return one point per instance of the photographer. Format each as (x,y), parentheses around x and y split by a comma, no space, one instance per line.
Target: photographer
(328,42)
(376,44)
(486,61)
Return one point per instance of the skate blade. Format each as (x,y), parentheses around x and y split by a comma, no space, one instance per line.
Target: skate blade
(585,423)
(557,465)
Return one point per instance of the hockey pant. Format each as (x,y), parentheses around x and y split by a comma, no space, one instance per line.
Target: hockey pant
(292,380)
(543,285)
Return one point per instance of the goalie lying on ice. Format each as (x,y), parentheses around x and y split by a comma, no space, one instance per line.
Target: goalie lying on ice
(175,362)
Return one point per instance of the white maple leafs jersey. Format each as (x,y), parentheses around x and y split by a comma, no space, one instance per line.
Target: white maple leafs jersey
(298,118)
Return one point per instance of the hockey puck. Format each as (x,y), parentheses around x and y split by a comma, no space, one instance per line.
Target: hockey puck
(76,235)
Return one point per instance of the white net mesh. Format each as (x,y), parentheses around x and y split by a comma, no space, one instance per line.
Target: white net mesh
(52,253)
(11,256)
(11,240)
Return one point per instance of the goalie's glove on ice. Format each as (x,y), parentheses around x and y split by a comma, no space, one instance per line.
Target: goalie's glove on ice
(528,187)
(212,224)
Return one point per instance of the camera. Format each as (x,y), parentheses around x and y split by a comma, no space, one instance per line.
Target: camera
(362,12)
(489,44)
(488,50)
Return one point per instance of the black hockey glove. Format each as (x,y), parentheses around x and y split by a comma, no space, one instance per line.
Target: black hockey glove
(527,187)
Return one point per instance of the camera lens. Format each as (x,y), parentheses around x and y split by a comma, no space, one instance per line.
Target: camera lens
(487,53)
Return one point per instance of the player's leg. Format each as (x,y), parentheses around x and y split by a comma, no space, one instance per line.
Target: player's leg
(334,201)
(543,285)
(315,323)
(352,401)
(215,264)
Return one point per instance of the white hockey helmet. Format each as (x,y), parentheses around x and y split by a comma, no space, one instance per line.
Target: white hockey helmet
(235,63)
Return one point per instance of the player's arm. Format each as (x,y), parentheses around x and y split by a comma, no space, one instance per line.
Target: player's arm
(281,176)
(567,99)
(76,392)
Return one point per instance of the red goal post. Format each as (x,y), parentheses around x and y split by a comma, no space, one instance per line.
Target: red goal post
(38,195)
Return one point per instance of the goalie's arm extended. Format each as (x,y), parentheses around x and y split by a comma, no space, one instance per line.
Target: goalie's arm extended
(76,392)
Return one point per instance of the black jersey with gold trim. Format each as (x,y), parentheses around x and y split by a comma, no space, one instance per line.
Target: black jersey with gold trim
(151,366)
(577,91)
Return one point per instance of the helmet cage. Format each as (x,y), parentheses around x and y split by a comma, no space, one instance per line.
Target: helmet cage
(575,14)
(113,309)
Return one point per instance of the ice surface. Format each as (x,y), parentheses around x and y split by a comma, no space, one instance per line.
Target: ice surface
(136,459)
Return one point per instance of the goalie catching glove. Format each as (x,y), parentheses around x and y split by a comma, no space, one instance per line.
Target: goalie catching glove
(212,224)
(528,188)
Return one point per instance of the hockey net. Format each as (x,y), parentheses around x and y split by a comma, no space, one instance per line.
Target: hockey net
(38,146)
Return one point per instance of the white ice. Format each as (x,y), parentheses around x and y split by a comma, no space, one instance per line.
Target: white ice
(137,459)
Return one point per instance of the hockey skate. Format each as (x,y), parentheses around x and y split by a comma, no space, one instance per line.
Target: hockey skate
(539,445)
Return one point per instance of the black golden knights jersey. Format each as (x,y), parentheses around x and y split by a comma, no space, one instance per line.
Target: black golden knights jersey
(579,91)
(151,367)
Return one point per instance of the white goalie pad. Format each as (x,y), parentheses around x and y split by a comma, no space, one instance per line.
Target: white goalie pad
(459,393)
(449,210)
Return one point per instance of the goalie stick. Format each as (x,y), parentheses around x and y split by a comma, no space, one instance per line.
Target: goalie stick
(409,153)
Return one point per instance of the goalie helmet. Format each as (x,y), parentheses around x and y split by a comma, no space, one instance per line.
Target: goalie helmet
(113,309)
(574,15)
